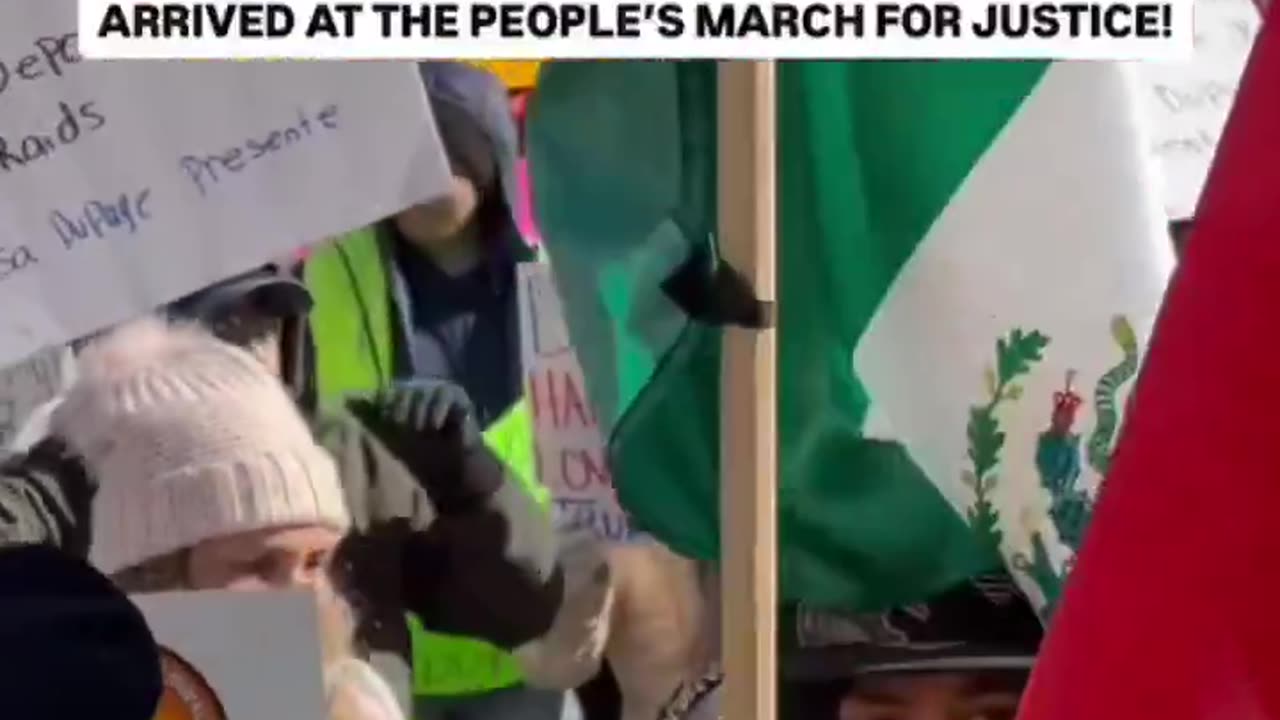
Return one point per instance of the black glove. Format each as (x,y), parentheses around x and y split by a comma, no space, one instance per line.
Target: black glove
(430,426)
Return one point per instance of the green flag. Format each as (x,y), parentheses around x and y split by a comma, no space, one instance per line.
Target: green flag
(957,242)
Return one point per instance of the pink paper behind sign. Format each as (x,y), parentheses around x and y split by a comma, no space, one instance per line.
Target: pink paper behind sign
(524,213)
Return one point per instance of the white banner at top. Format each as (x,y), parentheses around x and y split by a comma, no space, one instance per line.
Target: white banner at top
(670,29)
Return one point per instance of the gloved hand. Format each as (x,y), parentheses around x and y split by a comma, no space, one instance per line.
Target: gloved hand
(430,426)
(437,405)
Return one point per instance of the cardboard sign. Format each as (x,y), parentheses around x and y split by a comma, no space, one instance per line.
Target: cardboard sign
(217,665)
(28,385)
(1188,102)
(571,453)
(124,185)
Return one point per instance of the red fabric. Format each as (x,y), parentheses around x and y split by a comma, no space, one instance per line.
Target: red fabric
(519,106)
(1173,609)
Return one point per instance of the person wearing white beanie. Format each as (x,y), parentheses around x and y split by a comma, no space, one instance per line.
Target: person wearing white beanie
(439,527)
(210,479)
(200,453)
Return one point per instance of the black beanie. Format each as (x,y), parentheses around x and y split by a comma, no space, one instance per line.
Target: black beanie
(71,644)
(983,624)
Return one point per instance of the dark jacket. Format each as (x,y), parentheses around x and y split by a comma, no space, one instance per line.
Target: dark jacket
(416,544)
(71,645)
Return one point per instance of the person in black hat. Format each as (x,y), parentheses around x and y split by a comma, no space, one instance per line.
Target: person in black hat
(253,310)
(424,492)
(257,310)
(71,645)
(964,655)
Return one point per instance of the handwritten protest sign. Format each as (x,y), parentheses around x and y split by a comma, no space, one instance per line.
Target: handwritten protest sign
(571,456)
(28,385)
(216,664)
(1188,102)
(124,185)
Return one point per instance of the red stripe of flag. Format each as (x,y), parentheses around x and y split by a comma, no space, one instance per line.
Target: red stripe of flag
(1173,609)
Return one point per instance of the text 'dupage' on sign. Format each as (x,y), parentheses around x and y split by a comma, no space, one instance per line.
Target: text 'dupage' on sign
(126,185)
(98,219)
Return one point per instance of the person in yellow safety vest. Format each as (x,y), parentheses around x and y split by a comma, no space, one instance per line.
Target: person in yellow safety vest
(431,294)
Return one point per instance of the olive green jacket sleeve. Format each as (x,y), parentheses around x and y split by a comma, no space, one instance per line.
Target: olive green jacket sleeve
(377,485)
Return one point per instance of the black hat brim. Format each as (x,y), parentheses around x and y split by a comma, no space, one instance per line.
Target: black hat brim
(268,292)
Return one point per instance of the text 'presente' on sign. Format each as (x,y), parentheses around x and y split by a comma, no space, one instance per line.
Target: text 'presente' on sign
(512,29)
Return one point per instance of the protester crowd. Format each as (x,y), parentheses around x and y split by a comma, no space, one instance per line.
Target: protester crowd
(351,422)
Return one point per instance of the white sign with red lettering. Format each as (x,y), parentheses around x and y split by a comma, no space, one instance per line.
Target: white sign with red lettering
(571,454)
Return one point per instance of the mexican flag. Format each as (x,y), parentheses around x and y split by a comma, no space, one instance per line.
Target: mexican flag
(971,257)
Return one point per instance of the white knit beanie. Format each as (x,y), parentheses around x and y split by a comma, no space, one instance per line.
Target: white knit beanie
(189,438)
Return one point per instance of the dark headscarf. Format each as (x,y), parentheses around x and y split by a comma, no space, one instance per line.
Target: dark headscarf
(473,115)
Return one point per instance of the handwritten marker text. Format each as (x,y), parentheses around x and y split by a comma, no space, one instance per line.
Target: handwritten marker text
(206,171)
(99,219)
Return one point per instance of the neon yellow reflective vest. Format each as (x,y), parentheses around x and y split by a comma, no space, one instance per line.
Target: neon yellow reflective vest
(352,323)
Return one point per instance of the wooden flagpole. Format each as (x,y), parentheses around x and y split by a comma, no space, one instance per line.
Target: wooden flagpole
(748,416)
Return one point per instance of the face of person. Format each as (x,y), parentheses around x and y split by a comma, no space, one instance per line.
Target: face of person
(933,696)
(430,225)
(294,557)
